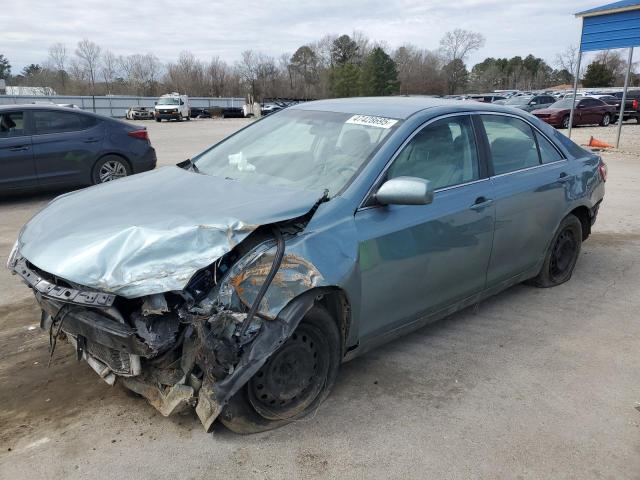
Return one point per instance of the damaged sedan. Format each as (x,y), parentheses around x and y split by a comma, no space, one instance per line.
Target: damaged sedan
(237,282)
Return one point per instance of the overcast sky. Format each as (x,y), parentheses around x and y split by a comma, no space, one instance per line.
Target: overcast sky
(225,28)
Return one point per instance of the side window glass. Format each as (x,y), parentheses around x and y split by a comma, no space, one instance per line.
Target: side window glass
(49,121)
(511,143)
(12,124)
(443,152)
(548,153)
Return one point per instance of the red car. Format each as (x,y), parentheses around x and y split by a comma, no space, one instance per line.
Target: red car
(588,111)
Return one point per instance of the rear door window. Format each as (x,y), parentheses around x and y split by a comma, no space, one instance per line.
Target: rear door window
(511,142)
(12,124)
(50,121)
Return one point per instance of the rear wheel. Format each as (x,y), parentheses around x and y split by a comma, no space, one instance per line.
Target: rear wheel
(293,381)
(562,255)
(606,120)
(109,168)
(565,121)
(158,119)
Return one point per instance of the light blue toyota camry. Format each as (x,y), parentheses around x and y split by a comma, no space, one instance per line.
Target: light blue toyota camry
(238,281)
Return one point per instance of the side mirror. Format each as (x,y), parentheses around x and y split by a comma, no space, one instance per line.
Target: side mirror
(405,191)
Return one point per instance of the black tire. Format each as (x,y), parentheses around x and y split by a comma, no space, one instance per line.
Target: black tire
(562,255)
(293,382)
(158,119)
(117,165)
(565,121)
(606,120)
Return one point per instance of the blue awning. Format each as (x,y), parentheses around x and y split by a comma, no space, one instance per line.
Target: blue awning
(616,25)
(611,8)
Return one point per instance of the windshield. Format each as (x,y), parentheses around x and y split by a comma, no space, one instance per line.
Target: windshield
(308,150)
(518,100)
(169,101)
(566,103)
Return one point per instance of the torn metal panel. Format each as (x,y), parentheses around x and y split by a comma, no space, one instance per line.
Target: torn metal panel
(181,223)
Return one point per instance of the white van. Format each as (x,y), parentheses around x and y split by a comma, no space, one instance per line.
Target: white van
(172,106)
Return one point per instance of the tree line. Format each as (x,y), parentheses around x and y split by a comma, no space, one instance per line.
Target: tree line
(333,66)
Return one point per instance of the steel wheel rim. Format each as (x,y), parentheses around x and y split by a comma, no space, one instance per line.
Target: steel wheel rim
(606,120)
(565,123)
(564,254)
(111,170)
(293,377)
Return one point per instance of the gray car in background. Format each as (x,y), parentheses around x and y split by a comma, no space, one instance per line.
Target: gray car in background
(50,146)
(530,102)
(239,282)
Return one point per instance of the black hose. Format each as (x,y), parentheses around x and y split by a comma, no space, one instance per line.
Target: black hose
(263,289)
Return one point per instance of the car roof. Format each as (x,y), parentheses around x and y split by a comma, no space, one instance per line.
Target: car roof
(43,106)
(393,107)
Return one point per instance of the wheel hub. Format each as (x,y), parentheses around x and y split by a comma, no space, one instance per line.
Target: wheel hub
(563,253)
(112,170)
(292,377)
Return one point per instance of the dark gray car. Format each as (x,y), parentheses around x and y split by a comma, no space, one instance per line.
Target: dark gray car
(50,146)
(530,103)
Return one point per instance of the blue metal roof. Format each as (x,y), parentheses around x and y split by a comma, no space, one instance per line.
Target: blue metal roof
(616,25)
(610,8)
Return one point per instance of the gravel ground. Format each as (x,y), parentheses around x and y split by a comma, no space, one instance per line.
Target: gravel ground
(534,384)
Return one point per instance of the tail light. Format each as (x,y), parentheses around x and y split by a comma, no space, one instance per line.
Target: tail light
(635,104)
(602,168)
(140,134)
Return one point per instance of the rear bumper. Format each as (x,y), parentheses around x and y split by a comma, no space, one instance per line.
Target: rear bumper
(146,162)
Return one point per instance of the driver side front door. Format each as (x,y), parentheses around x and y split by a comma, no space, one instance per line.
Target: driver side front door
(416,260)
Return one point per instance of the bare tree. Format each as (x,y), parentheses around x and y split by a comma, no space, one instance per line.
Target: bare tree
(459,43)
(568,59)
(58,57)
(88,54)
(216,73)
(109,69)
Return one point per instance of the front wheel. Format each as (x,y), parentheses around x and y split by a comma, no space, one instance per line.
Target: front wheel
(293,381)
(109,168)
(158,119)
(606,120)
(565,121)
(562,255)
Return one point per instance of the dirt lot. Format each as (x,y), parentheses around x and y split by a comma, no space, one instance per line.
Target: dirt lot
(535,384)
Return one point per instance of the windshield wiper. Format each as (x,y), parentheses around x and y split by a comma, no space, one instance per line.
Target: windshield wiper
(188,163)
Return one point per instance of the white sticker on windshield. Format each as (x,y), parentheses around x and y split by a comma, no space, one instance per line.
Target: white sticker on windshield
(371,121)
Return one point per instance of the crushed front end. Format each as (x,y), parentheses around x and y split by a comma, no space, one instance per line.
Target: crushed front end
(190,348)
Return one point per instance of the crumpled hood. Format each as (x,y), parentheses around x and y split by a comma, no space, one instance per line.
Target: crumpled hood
(149,233)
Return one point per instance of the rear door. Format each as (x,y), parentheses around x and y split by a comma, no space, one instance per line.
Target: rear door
(17,169)
(66,145)
(529,178)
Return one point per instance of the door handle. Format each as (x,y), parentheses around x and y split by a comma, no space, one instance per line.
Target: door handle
(19,148)
(91,140)
(481,203)
(563,178)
